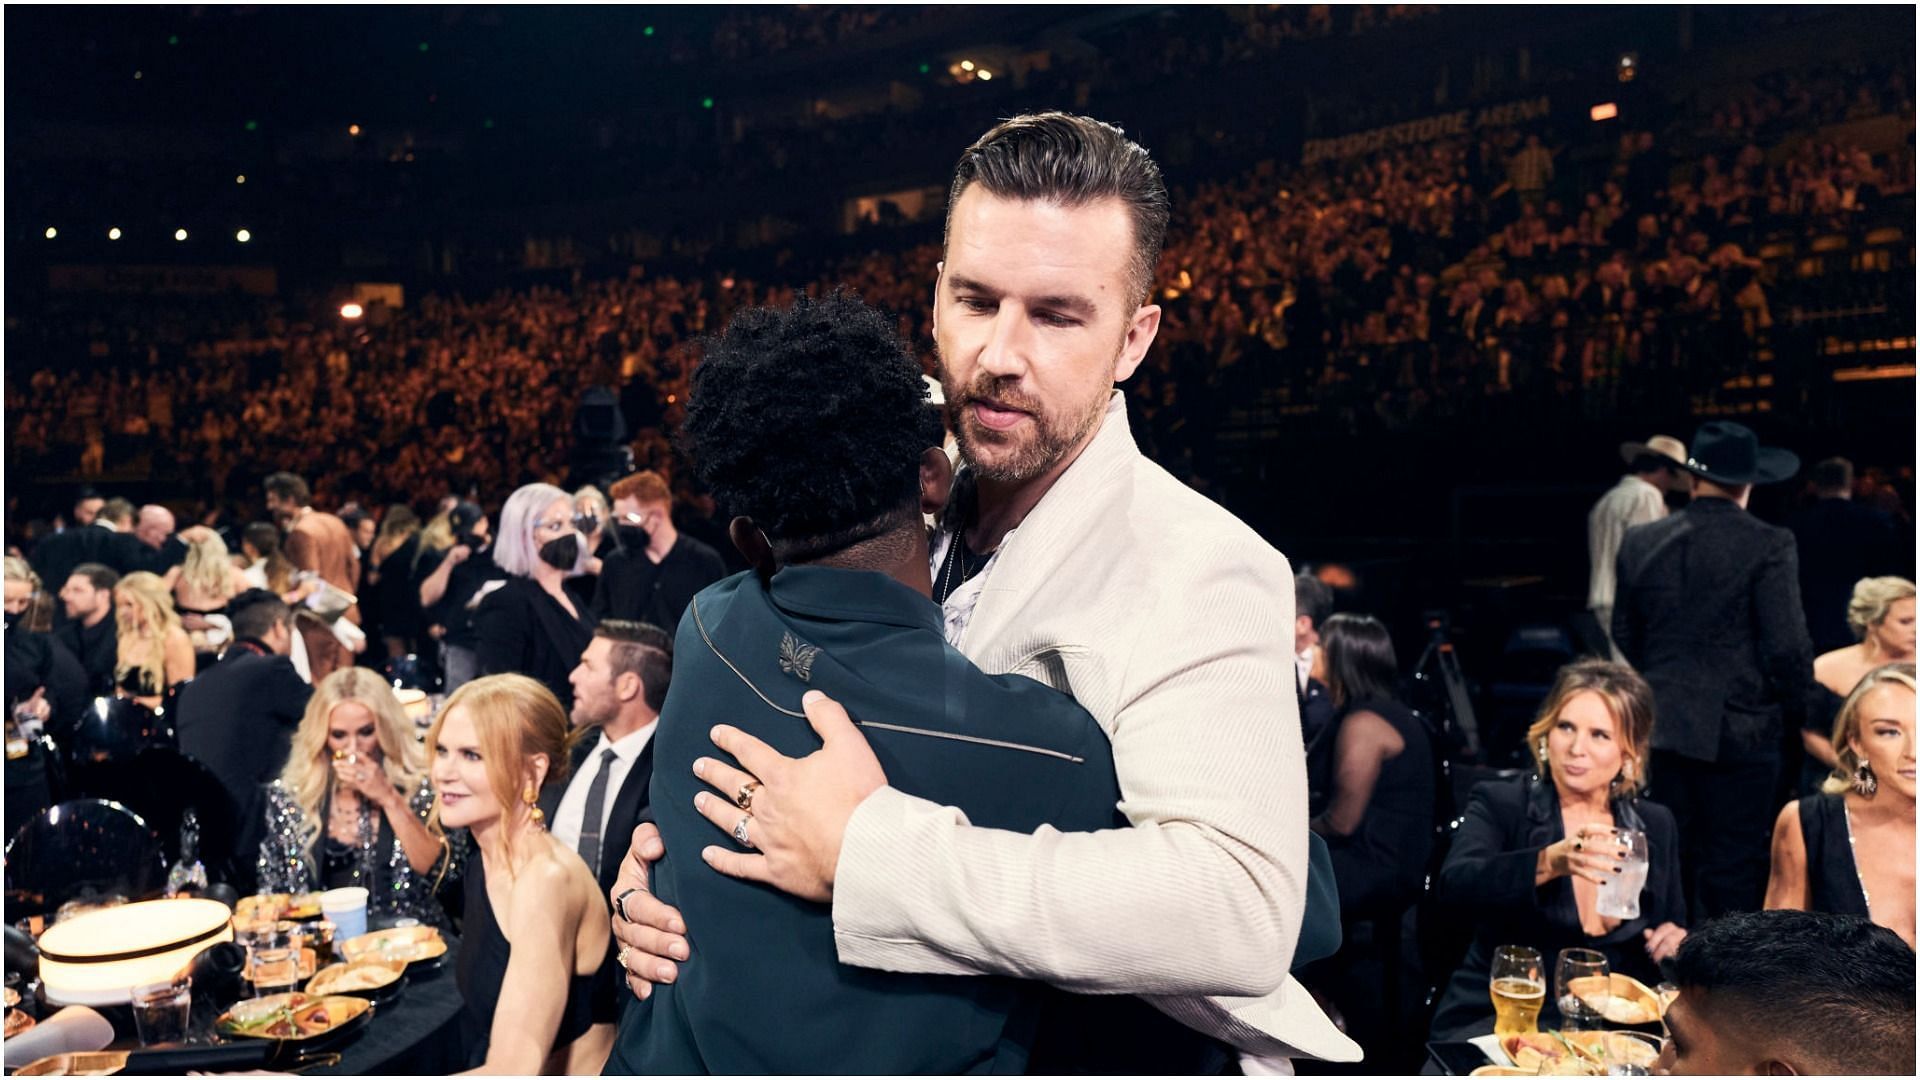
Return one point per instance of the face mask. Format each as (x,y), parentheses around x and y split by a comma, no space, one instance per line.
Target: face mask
(633,537)
(562,553)
(471,540)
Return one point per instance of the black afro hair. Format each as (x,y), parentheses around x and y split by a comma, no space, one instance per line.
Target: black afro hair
(811,421)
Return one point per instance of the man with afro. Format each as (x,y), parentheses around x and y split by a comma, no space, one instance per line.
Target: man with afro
(813,425)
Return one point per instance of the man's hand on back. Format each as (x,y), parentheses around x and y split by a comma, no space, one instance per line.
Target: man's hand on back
(654,938)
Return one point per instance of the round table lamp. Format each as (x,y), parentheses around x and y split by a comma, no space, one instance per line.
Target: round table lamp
(99,957)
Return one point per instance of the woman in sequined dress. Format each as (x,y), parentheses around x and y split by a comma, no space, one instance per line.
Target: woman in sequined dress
(351,806)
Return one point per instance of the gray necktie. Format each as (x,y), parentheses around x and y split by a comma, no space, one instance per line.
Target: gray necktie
(596,802)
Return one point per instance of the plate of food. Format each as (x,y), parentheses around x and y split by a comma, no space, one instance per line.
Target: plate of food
(375,979)
(296,1017)
(1622,999)
(421,945)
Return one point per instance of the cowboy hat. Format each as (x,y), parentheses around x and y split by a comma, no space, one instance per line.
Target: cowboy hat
(1665,446)
(1731,454)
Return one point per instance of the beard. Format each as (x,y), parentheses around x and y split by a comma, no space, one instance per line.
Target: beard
(1026,451)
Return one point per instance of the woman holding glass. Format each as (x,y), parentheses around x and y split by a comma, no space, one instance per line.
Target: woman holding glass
(536,927)
(351,806)
(1849,850)
(1532,853)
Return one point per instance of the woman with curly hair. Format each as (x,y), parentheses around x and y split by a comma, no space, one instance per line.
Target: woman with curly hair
(154,653)
(351,806)
(1849,849)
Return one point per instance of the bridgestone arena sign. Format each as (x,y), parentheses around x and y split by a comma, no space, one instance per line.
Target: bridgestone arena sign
(1425,129)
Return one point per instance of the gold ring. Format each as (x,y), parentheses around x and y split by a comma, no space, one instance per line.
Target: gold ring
(622,956)
(744,797)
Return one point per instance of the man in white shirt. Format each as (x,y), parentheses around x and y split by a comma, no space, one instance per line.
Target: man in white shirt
(1638,498)
(618,687)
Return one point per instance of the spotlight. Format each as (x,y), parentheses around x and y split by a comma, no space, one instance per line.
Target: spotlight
(113,233)
(179,234)
(241,179)
(52,232)
(351,311)
(353,129)
(1604,112)
(966,65)
(243,235)
(985,75)
(1628,67)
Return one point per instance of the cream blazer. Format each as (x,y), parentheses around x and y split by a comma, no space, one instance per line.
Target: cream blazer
(1171,622)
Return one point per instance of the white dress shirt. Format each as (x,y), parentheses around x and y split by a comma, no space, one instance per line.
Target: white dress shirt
(571,814)
(1632,501)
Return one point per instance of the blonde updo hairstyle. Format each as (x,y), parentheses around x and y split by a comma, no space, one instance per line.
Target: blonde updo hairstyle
(1628,699)
(1872,598)
(525,737)
(1846,727)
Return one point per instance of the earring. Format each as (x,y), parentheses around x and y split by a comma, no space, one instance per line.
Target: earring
(1864,782)
(1543,751)
(531,798)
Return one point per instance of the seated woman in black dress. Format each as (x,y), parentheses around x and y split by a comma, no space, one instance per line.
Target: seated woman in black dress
(350,808)
(1529,856)
(1849,849)
(1379,819)
(536,624)
(536,927)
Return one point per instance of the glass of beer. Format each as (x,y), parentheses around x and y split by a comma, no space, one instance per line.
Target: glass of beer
(1519,987)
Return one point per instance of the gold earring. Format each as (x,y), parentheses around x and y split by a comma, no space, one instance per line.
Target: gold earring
(531,797)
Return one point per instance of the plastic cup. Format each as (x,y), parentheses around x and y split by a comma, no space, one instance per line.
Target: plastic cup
(346,909)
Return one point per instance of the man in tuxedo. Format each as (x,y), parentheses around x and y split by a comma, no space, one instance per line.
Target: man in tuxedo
(238,718)
(618,687)
(88,540)
(150,545)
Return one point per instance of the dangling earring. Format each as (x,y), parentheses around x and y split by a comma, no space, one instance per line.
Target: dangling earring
(1543,751)
(531,798)
(1864,782)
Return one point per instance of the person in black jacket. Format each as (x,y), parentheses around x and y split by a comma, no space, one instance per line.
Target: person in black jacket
(1530,851)
(533,625)
(1708,610)
(238,718)
(656,569)
(1840,541)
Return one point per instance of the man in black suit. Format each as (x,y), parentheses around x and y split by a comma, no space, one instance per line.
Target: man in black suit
(657,570)
(88,540)
(91,633)
(239,716)
(618,687)
(1841,541)
(1708,610)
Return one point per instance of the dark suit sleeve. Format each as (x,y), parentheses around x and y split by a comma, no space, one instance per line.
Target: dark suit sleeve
(1786,653)
(66,686)
(602,603)
(501,625)
(1479,871)
(1664,876)
(1626,611)
(288,693)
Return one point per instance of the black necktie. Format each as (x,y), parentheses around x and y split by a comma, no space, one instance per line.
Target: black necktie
(596,802)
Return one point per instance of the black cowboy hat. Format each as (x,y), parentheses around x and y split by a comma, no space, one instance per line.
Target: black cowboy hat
(1731,454)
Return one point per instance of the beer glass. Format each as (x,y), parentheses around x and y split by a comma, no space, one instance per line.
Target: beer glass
(1518,985)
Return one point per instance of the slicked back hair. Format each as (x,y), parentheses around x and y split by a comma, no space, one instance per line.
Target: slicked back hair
(641,649)
(1070,160)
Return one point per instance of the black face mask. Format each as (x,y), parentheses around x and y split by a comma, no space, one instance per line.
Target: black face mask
(633,537)
(561,554)
(470,540)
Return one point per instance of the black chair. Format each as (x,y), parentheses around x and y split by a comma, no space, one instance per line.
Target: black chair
(162,784)
(117,729)
(79,849)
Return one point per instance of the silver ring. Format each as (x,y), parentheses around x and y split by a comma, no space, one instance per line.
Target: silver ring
(740,831)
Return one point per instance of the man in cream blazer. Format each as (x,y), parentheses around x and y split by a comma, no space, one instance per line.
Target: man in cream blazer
(1101,575)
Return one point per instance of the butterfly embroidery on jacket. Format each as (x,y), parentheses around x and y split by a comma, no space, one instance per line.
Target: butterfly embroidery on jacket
(796,657)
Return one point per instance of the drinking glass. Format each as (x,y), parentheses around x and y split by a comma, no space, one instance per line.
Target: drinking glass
(1583,982)
(160,1011)
(1620,893)
(273,961)
(1632,1053)
(1518,985)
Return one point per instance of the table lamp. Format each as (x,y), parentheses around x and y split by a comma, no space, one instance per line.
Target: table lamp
(99,957)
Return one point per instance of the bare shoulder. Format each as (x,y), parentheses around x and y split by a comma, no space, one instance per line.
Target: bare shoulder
(1786,827)
(1838,670)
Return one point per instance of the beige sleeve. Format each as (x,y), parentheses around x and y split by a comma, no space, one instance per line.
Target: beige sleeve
(1201,896)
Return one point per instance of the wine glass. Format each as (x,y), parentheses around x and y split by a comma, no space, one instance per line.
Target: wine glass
(1583,982)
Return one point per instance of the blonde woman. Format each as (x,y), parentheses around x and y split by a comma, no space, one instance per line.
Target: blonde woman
(351,806)
(1881,614)
(536,928)
(154,654)
(1530,853)
(1850,849)
(202,585)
